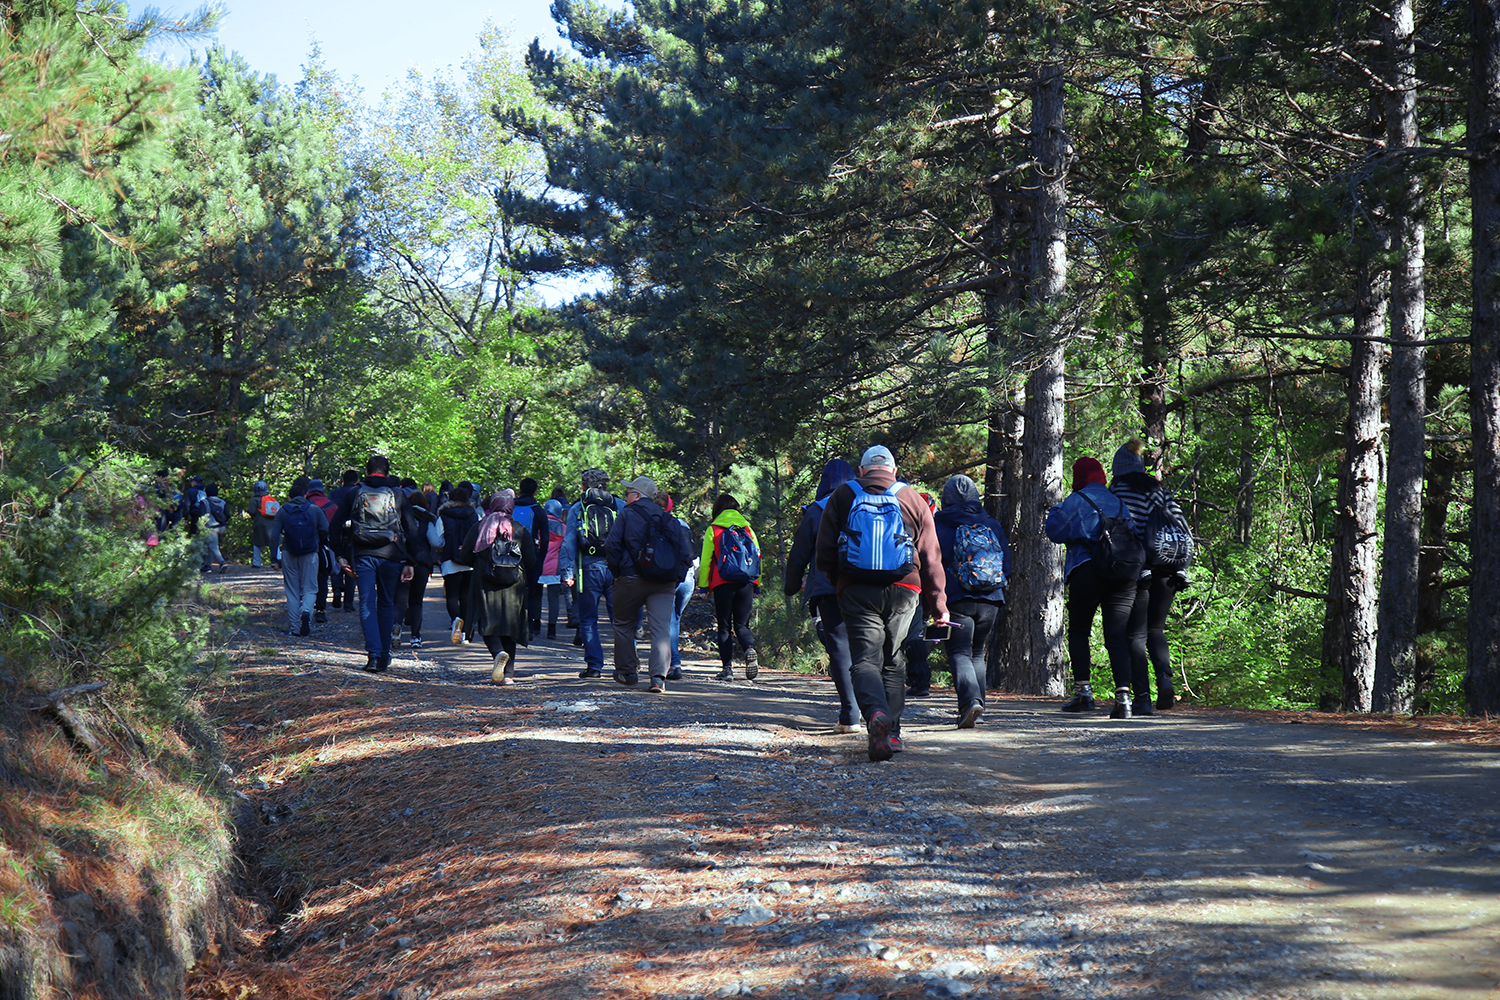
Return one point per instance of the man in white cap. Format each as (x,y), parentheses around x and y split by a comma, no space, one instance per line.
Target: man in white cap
(648,551)
(877,544)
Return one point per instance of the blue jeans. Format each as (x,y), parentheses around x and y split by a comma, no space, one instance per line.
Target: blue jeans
(377,580)
(684,593)
(598,582)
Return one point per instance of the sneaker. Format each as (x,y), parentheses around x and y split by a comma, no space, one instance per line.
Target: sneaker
(726,674)
(502,663)
(1083,701)
(629,680)
(658,685)
(321,617)
(416,642)
(306,628)
(338,604)
(589,672)
(752,665)
(1122,705)
(845,727)
(395,634)
(879,731)
(971,715)
(674,674)
(896,745)
(1165,697)
(458,632)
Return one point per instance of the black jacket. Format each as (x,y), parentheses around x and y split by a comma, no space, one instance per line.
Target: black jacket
(630,532)
(458,520)
(411,525)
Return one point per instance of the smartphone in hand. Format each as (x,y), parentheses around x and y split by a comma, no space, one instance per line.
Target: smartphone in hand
(938,632)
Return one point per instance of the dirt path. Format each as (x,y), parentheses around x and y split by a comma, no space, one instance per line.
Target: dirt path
(429,835)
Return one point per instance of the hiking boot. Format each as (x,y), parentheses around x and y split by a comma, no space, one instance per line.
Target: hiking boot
(752,665)
(658,685)
(629,680)
(589,672)
(502,665)
(674,674)
(321,617)
(377,664)
(896,745)
(338,604)
(724,675)
(971,715)
(1083,700)
(306,626)
(457,636)
(919,692)
(416,642)
(879,731)
(1122,704)
(1140,704)
(1165,697)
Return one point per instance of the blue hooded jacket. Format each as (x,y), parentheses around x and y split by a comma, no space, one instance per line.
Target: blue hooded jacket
(962,504)
(799,562)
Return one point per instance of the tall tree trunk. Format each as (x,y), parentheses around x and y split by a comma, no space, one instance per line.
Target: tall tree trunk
(1036,647)
(1399,581)
(1482,681)
(1244,498)
(999,302)
(1436,501)
(1349,635)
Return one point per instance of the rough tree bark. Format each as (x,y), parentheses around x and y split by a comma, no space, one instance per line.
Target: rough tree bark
(1349,636)
(1482,681)
(1395,655)
(1436,502)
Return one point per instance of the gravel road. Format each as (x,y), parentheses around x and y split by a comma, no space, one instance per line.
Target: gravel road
(722,840)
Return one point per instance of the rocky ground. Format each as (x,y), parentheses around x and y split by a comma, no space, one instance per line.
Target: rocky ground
(424,834)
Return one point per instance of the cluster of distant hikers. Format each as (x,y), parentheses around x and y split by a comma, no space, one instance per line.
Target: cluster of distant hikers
(868,551)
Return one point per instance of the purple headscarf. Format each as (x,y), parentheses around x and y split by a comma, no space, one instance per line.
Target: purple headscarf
(497,523)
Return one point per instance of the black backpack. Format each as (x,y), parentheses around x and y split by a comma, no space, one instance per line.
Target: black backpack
(376,516)
(503,567)
(663,556)
(299,535)
(1169,540)
(596,519)
(1117,554)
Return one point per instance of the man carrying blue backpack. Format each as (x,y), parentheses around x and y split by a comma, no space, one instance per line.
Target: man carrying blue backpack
(878,547)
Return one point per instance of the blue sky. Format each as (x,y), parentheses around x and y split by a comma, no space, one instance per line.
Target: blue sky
(375,41)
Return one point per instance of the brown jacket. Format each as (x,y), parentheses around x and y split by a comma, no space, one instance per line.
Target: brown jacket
(929,574)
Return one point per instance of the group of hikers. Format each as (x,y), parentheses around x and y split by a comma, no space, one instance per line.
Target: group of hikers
(886,573)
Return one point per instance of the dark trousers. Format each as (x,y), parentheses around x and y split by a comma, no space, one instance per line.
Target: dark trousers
(972,621)
(876,619)
(1148,636)
(456,596)
(829,622)
(918,669)
(732,604)
(495,643)
(342,585)
(534,606)
(1114,599)
(409,597)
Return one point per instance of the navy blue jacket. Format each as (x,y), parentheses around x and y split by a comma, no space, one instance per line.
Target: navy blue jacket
(946,521)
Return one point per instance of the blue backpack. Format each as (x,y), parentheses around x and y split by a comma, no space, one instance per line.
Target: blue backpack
(875,546)
(739,556)
(979,561)
(299,535)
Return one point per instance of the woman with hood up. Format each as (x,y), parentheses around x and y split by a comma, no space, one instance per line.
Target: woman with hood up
(499,609)
(822,599)
(733,599)
(976,559)
(1076,523)
(1143,493)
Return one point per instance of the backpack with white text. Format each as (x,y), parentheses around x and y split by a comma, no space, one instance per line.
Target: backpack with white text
(596,518)
(299,533)
(739,556)
(875,545)
(979,560)
(1169,540)
(375,516)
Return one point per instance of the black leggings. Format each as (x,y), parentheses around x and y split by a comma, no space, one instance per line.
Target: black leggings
(1115,599)
(1148,635)
(732,608)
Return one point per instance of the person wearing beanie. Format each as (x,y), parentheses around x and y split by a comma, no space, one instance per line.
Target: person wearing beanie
(582,562)
(877,546)
(976,561)
(1078,523)
(1158,585)
(822,599)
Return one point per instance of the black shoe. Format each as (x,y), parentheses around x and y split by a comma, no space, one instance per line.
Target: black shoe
(724,675)
(377,664)
(879,731)
(589,672)
(349,606)
(896,745)
(629,680)
(1140,704)
(1122,705)
(674,674)
(338,604)
(1165,697)
(552,633)
(971,715)
(306,628)
(1083,701)
(919,693)
(578,638)
(321,617)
